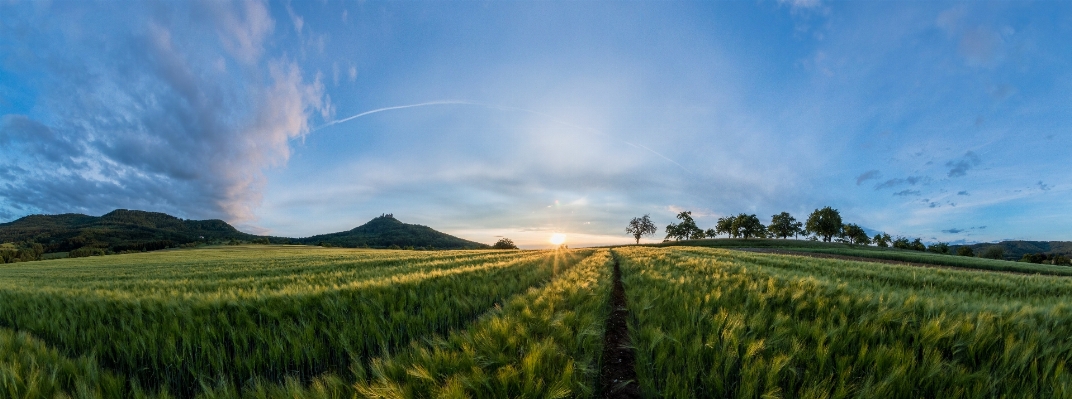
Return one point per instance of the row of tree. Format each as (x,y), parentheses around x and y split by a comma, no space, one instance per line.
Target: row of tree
(823,224)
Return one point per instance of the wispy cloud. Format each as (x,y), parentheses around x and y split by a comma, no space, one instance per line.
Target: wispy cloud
(910,180)
(869,175)
(960,167)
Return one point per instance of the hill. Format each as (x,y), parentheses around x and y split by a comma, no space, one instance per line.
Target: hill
(1014,250)
(116,231)
(386,231)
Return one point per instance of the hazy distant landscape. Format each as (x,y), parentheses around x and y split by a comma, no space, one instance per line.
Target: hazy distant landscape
(341,199)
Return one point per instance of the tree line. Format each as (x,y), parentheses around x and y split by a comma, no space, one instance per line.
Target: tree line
(823,224)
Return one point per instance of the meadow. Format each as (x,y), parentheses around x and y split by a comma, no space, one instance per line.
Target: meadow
(732,324)
(308,322)
(873,252)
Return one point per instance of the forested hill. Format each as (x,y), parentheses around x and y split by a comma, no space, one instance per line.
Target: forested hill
(1014,250)
(116,231)
(126,230)
(386,231)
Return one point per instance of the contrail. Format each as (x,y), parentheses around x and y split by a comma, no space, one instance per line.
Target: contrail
(660,155)
(347,119)
(502,108)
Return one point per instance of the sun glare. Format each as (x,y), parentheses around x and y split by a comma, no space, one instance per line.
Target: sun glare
(558,238)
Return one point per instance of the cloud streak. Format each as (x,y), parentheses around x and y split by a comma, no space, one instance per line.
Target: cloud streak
(500,107)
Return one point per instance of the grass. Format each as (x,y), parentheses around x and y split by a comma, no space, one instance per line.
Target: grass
(946,260)
(863,251)
(718,323)
(264,322)
(29,369)
(545,343)
(186,320)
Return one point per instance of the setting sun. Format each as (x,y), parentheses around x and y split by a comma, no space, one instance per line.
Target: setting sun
(558,238)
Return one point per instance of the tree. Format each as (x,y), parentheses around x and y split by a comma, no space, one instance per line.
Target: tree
(640,227)
(856,234)
(504,243)
(725,226)
(824,222)
(917,245)
(784,225)
(686,230)
(994,252)
(939,248)
(883,240)
(747,226)
(965,250)
(902,243)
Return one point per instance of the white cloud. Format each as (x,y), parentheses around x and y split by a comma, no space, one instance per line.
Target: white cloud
(242,27)
(152,125)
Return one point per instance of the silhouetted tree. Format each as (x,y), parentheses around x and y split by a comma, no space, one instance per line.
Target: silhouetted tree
(965,250)
(917,245)
(725,226)
(883,240)
(855,234)
(748,226)
(825,223)
(640,227)
(504,243)
(902,243)
(685,230)
(994,252)
(939,248)
(784,225)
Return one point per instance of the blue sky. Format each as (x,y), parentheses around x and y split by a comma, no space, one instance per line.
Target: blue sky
(950,121)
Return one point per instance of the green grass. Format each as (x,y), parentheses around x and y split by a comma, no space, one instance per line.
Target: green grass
(945,260)
(262,322)
(545,343)
(29,369)
(234,316)
(717,323)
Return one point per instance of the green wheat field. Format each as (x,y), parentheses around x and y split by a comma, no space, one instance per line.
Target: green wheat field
(705,322)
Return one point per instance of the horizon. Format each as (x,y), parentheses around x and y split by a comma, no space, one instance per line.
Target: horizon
(938,120)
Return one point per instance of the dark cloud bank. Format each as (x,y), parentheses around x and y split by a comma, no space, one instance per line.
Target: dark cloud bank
(179,112)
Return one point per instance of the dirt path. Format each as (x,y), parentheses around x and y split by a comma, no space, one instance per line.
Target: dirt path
(863,259)
(617,378)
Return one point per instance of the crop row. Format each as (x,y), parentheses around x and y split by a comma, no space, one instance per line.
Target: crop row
(545,343)
(946,260)
(183,340)
(228,273)
(717,323)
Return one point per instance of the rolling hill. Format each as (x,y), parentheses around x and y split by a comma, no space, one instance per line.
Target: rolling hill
(131,230)
(386,231)
(1015,250)
(119,230)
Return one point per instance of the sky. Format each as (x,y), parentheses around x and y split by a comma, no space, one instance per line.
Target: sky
(949,121)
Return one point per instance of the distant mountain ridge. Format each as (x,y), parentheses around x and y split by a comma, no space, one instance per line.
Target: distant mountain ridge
(386,231)
(132,230)
(119,230)
(1016,249)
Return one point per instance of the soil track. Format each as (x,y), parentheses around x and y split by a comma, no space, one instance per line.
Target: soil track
(617,378)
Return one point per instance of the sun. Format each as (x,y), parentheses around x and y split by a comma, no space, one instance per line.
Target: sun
(558,238)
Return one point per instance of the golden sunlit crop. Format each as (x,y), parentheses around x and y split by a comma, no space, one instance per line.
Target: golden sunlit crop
(558,238)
